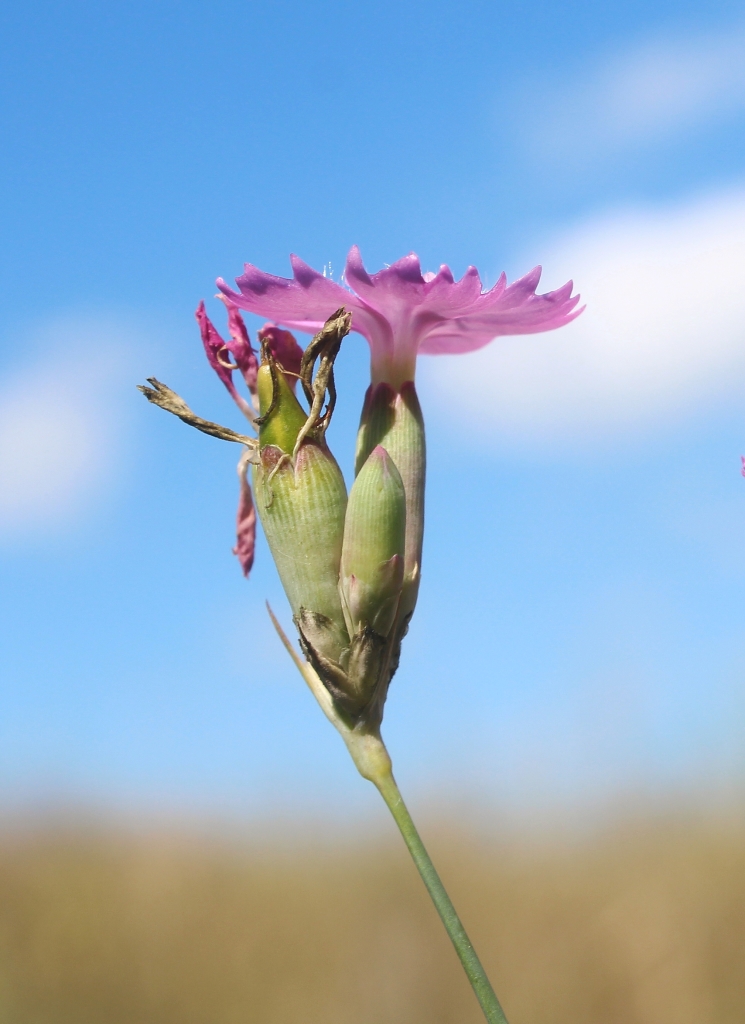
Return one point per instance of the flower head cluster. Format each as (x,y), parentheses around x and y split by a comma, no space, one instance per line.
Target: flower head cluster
(350,564)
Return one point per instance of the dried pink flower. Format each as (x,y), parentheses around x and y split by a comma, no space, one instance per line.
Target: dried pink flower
(219,353)
(225,357)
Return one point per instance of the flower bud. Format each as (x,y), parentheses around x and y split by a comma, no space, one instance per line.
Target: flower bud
(393,419)
(372,559)
(282,416)
(372,574)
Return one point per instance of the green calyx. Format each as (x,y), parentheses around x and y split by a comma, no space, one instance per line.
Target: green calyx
(302,503)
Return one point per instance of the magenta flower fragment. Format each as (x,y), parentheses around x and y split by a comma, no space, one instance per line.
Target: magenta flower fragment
(245,525)
(219,353)
(402,312)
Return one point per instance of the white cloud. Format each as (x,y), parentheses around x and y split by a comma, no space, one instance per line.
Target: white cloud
(663,332)
(61,424)
(657,90)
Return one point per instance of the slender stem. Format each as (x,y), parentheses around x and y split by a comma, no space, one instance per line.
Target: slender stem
(463,947)
(371,758)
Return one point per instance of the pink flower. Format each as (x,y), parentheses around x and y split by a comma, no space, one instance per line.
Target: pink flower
(402,312)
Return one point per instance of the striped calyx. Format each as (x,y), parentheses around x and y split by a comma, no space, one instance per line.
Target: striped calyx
(301,496)
(372,560)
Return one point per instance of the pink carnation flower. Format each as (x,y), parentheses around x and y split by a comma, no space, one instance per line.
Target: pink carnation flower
(402,312)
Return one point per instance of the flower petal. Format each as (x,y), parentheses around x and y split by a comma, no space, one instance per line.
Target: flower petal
(515,309)
(303,302)
(402,312)
(245,520)
(285,350)
(434,313)
(397,291)
(241,349)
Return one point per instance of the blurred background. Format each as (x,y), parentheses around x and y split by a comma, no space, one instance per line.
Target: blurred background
(182,835)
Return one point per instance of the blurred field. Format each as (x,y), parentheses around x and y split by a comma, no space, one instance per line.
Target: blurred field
(644,924)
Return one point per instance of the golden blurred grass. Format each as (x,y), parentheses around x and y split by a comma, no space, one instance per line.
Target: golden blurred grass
(643,924)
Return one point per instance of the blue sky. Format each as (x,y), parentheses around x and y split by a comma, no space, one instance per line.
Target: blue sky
(580,630)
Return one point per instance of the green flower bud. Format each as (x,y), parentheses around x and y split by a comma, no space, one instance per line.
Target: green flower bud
(393,419)
(372,573)
(372,560)
(282,416)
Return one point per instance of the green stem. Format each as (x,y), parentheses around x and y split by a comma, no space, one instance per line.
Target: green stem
(373,762)
(463,947)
